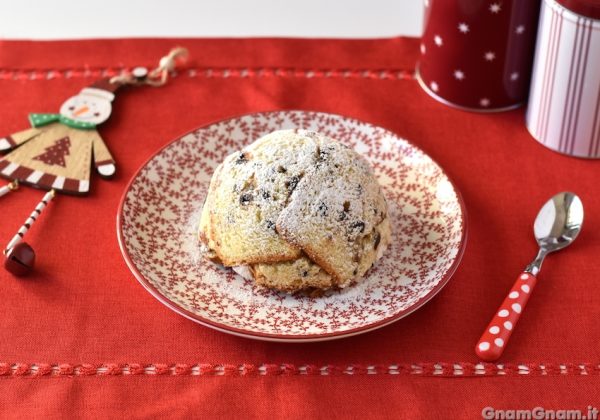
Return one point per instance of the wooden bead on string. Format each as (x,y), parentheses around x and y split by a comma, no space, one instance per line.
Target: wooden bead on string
(14,185)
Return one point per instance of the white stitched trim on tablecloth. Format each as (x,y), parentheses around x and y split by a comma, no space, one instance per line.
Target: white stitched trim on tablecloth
(220,73)
(439,369)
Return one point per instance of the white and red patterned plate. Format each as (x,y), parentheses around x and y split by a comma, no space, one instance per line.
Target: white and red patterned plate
(158,220)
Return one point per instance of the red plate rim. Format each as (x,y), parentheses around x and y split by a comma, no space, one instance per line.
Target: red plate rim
(285,337)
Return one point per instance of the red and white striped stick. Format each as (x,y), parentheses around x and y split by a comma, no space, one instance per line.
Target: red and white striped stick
(32,218)
(8,188)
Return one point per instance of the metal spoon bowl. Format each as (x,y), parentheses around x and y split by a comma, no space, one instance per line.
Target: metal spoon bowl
(556,226)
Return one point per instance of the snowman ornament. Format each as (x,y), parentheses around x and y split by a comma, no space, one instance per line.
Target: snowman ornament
(59,150)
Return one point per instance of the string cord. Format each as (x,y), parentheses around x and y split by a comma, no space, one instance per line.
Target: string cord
(157,76)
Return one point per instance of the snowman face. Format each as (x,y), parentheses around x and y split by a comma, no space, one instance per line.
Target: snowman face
(86,108)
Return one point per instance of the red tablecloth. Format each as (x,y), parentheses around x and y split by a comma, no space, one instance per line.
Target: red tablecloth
(83,337)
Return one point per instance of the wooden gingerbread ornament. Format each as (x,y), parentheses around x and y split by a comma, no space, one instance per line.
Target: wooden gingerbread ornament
(57,152)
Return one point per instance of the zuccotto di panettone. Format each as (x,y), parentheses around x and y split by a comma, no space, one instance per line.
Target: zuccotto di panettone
(295,210)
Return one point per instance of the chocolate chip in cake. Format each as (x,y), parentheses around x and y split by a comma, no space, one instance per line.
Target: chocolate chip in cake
(322,209)
(358,226)
(304,273)
(346,206)
(281,169)
(242,158)
(245,199)
(265,194)
(292,183)
(322,154)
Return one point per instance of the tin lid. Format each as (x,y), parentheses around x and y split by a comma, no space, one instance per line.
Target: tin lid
(588,8)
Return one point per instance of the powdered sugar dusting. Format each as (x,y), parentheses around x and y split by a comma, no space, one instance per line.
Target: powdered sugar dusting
(321,197)
(334,209)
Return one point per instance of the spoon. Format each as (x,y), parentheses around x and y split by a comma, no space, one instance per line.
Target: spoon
(557,225)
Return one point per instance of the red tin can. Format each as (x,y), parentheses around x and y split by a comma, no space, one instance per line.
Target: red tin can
(477,54)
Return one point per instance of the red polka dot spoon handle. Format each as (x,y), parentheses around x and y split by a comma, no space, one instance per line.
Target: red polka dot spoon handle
(557,225)
(494,338)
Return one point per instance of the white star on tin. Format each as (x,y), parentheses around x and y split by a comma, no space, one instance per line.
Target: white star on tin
(459,74)
(423,49)
(485,102)
(520,29)
(434,86)
(463,27)
(514,76)
(438,40)
(495,7)
(489,56)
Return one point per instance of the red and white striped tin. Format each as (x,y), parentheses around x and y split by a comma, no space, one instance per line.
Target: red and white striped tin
(564,99)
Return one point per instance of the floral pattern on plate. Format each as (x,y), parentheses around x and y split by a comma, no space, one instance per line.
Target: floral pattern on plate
(158,221)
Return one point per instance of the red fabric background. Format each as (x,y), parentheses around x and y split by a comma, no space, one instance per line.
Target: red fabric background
(84,306)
